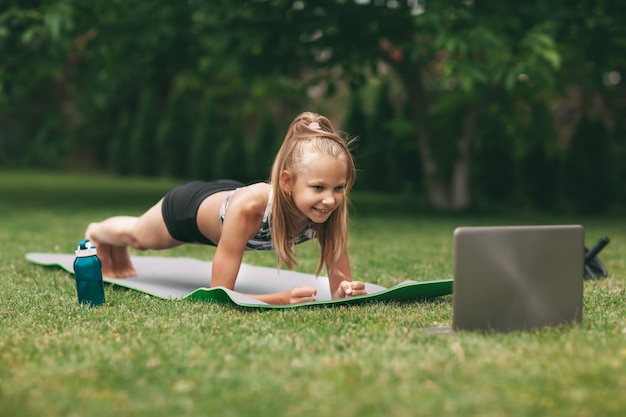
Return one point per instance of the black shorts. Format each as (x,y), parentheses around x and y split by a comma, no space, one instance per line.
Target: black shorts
(180,208)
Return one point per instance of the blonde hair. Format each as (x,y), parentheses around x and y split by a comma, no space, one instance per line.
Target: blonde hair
(309,135)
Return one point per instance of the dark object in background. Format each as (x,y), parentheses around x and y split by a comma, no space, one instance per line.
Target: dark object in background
(594,269)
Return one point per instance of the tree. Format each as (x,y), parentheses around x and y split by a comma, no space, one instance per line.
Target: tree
(445,50)
(116,75)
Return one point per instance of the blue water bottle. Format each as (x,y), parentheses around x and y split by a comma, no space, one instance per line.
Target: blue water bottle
(88,272)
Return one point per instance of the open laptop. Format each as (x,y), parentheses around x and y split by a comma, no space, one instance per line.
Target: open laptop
(510,278)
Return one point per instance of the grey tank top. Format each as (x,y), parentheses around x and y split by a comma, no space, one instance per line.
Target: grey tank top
(263,239)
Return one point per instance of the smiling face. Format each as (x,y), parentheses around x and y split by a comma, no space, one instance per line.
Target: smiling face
(319,187)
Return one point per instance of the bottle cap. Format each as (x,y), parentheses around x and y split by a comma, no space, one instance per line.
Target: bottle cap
(85,248)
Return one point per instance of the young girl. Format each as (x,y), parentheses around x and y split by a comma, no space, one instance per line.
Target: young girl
(306,198)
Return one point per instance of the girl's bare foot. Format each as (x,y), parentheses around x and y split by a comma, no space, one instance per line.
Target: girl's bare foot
(122,265)
(104,254)
(116,261)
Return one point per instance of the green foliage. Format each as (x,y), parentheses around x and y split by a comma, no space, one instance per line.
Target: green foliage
(169,88)
(589,177)
(229,159)
(494,158)
(370,148)
(261,156)
(516,160)
(204,142)
(141,146)
(29,37)
(385,153)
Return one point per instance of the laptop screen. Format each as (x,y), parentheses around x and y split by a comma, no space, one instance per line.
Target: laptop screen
(517,277)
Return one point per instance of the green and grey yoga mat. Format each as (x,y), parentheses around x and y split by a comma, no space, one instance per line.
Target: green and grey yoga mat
(189,278)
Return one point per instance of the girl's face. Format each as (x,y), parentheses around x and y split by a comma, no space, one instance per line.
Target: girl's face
(319,188)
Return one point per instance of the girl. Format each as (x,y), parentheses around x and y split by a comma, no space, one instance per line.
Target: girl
(305,198)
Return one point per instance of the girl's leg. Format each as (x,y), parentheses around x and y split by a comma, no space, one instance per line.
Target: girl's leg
(114,235)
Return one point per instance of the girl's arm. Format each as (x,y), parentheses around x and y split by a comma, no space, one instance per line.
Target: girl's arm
(241,223)
(226,265)
(340,280)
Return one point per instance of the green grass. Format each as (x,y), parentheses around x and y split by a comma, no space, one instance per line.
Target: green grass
(142,356)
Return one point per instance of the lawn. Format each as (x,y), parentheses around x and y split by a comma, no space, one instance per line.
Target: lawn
(142,356)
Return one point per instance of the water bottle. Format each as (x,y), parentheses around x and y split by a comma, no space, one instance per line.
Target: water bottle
(88,272)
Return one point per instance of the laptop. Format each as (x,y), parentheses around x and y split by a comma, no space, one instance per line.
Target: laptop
(509,278)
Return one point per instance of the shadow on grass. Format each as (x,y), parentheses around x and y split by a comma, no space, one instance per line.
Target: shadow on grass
(70,191)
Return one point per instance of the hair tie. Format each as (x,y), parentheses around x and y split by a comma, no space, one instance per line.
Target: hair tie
(314,125)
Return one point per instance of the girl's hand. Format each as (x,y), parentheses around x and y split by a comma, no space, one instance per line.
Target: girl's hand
(301,294)
(350,289)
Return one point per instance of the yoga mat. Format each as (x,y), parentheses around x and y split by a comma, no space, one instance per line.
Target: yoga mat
(189,278)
